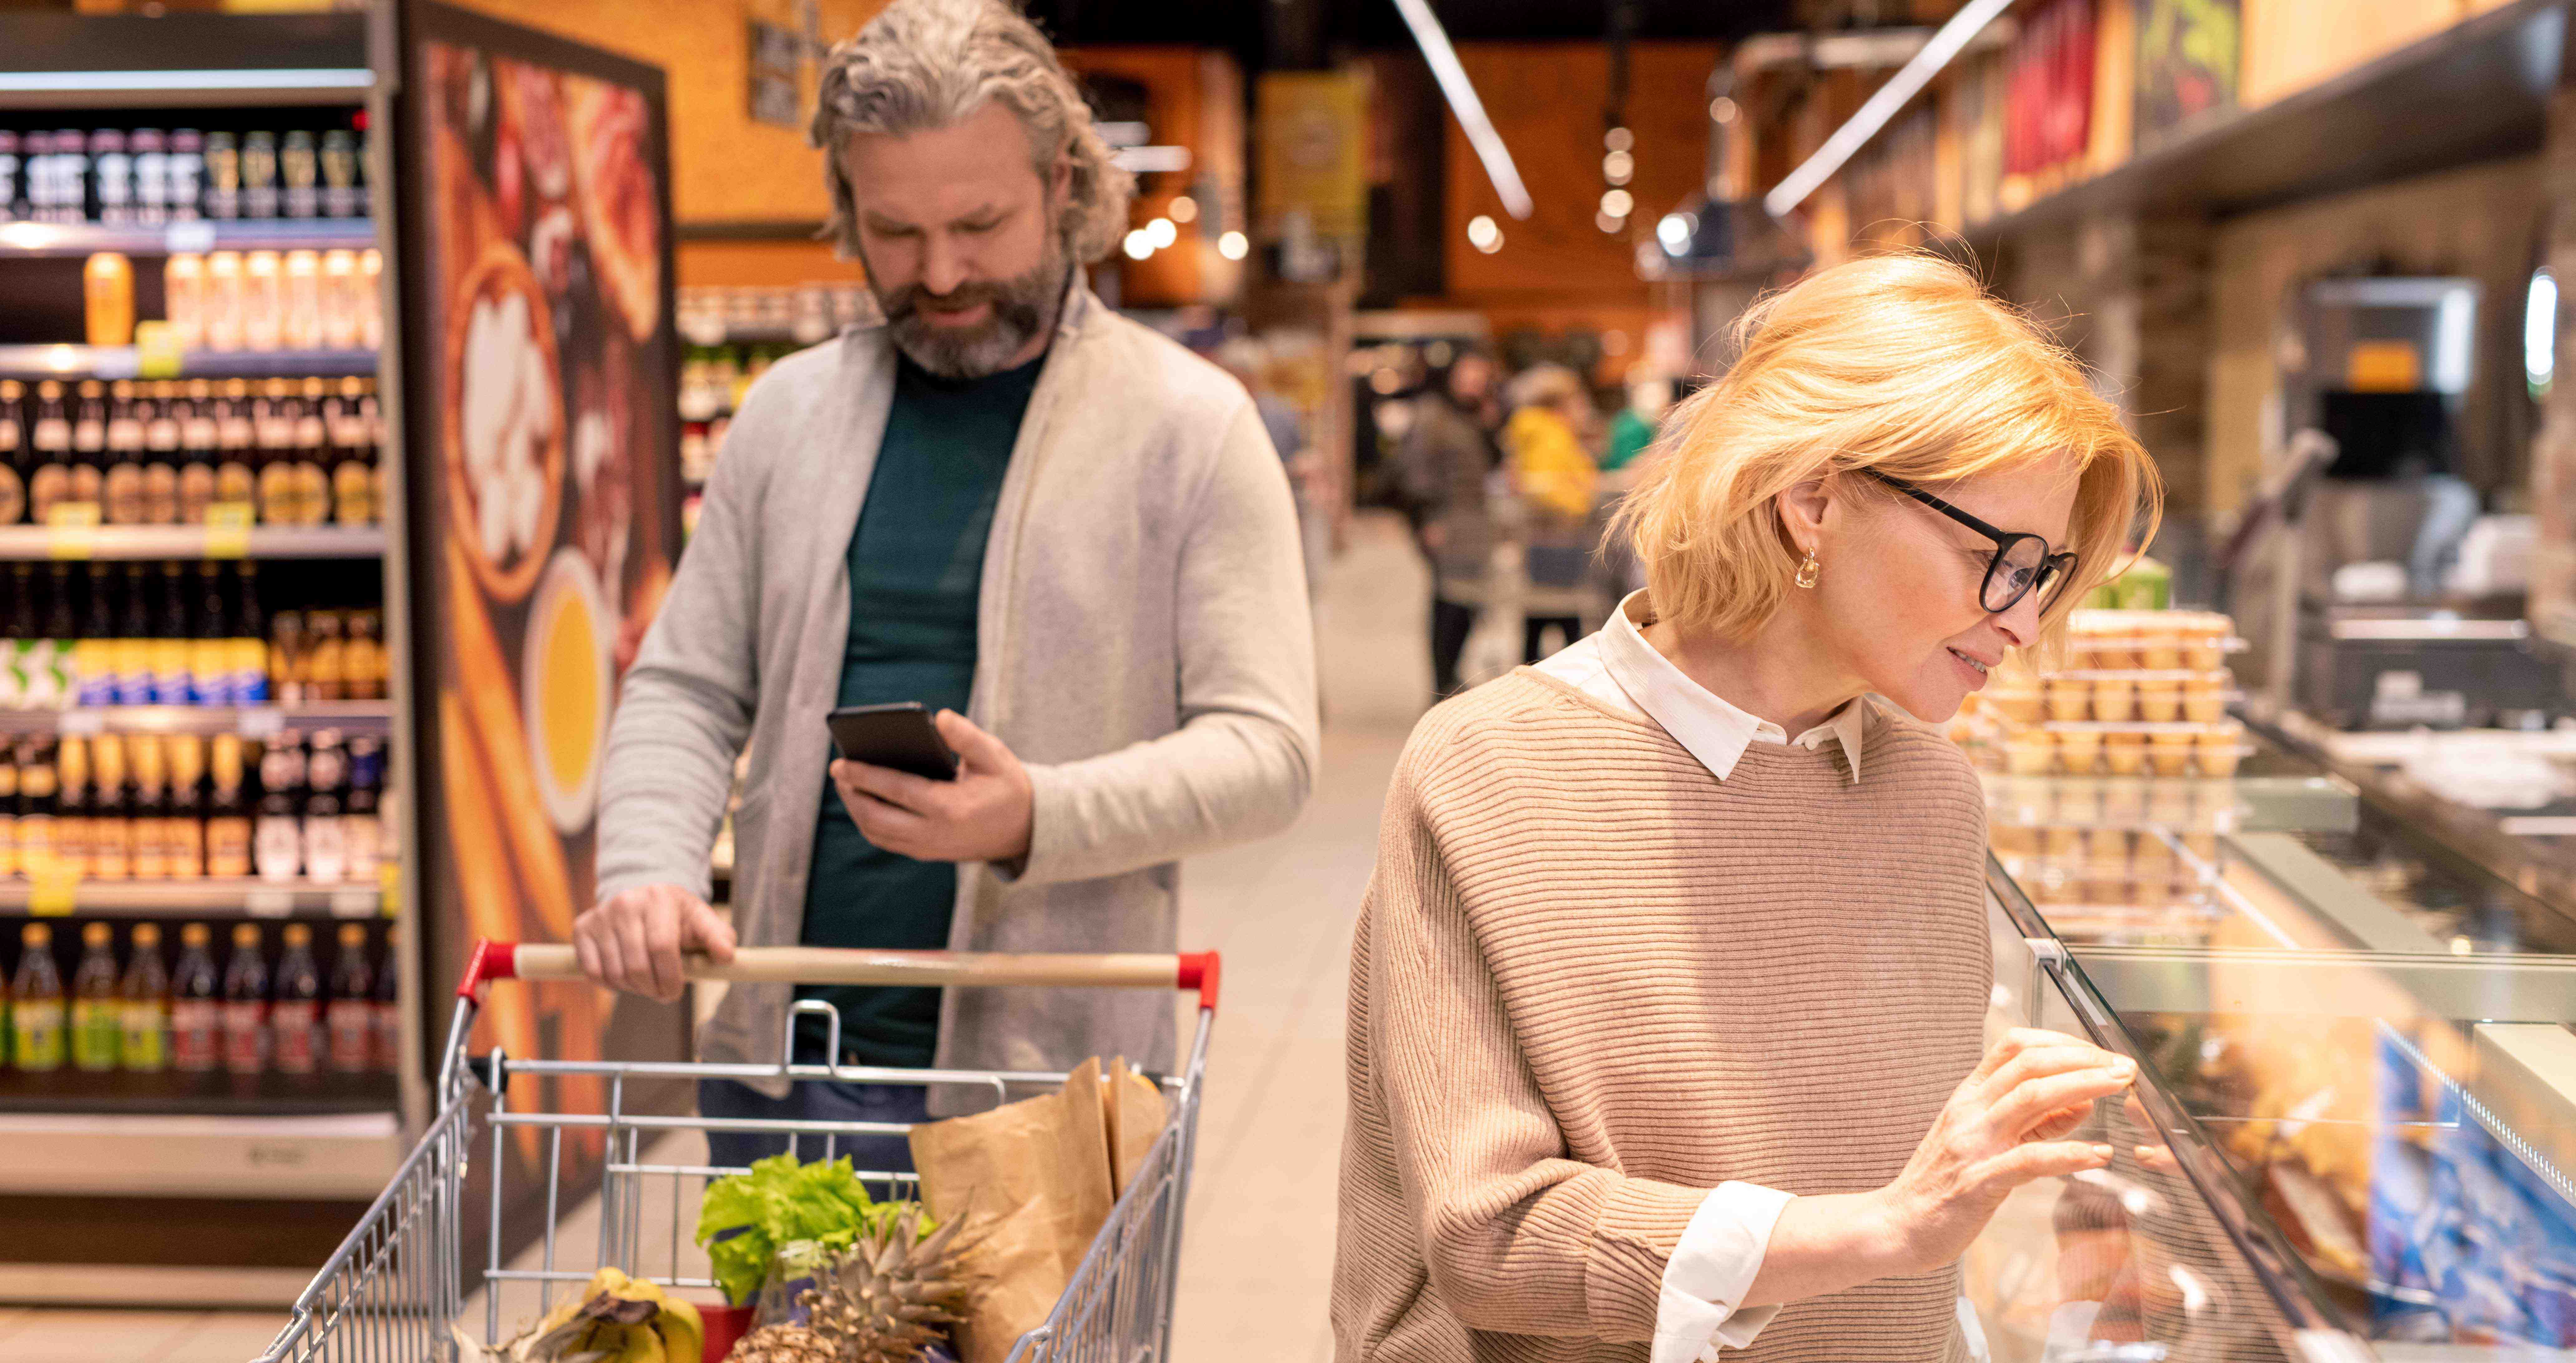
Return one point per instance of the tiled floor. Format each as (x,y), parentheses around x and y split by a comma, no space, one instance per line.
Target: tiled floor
(1258,1258)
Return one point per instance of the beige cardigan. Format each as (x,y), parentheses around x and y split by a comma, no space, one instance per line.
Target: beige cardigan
(1592,982)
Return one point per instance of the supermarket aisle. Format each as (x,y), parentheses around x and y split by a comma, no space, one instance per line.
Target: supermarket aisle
(1258,1259)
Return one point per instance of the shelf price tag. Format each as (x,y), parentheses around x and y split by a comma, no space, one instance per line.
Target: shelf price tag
(261,722)
(266,903)
(389,887)
(54,893)
(228,529)
(353,903)
(189,238)
(72,530)
(156,350)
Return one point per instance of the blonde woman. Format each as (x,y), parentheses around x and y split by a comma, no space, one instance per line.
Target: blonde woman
(1667,996)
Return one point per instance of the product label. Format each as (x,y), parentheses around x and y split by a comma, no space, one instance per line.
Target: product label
(123,493)
(228,848)
(295,1023)
(185,849)
(360,834)
(97,1031)
(36,1029)
(145,1043)
(245,1037)
(326,854)
(280,852)
(49,488)
(352,1029)
(196,1035)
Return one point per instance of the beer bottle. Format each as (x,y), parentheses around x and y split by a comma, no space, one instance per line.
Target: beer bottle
(295,1017)
(200,443)
(210,636)
(388,1003)
(89,443)
(325,670)
(260,198)
(250,661)
(196,1009)
(185,834)
(121,481)
(97,1024)
(236,444)
(277,424)
(187,174)
(286,659)
(368,671)
(94,657)
(221,157)
(148,808)
(353,474)
(111,833)
(49,434)
(278,836)
(170,659)
(313,456)
(326,792)
(36,1002)
(246,1003)
(144,996)
(228,834)
(362,828)
(71,806)
(17,453)
(133,650)
(164,418)
(353,985)
(37,792)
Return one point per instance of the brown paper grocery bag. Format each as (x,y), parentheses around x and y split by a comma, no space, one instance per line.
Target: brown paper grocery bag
(1134,1107)
(1032,1180)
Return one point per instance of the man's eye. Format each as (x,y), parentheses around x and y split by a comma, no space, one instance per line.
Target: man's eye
(978,226)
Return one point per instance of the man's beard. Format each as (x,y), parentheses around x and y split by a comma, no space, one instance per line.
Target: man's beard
(1022,309)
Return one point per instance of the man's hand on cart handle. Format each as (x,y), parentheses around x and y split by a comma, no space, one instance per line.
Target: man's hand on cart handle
(636,940)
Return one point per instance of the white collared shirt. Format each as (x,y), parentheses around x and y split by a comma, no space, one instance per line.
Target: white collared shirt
(1721,1251)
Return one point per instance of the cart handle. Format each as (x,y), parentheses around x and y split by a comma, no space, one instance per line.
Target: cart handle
(1191,970)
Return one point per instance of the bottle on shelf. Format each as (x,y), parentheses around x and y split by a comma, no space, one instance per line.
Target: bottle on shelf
(388,1004)
(12,168)
(286,658)
(94,654)
(237,445)
(246,1003)
(163,411)
(259,171)
(89,443)
(249,681)
(37,790)
(277,428)
(71,806)
(326,801)
(187,174)
(228,823)
(263,307)
(196,1005)
(171,684)
(362,829)
(350,1015)
(17,455)
(220,306)
(121,483)
(143,997)
(9,814)
(312,492)
(371,322)
(36,1003)
(183,298)
(107,296)
(343,175)
(369,671)
(353,458)
(300,325)
(295,1014)
(200,437)
(324,668)
(151,150)
(132,646)
(111,831)
(97,1025)
(210,634)
(49,435)
(223,162)
(299,174)
(148,807)
(184,834)
(111,177)
(278,838)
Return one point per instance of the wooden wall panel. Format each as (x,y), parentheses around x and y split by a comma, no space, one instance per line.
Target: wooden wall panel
(2293,44)
(1546,101)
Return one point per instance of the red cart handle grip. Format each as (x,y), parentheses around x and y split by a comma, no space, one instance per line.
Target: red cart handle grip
(1199,971)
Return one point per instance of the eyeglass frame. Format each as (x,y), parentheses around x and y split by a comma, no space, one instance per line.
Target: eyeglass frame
(2053,567)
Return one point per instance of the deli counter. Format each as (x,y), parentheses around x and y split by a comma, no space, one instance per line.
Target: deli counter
(2357,1107)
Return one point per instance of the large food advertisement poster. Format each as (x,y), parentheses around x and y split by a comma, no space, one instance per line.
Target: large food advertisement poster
(2188,54)
(541,370)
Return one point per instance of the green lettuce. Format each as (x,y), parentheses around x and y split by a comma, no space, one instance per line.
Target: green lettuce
(746,1218)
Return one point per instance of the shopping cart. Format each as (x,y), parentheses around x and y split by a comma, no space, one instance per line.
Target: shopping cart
(395,1285)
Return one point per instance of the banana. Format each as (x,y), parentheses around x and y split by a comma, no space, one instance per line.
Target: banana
(684,1335)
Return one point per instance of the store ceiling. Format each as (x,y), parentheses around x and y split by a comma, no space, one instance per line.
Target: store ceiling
(1374,23)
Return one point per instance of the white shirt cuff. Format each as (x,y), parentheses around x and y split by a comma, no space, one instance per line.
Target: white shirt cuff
(1712,1268)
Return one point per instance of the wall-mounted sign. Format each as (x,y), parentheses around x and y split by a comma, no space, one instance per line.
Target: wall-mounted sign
(775,59)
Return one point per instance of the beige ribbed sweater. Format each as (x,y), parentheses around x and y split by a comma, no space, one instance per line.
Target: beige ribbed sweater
(1592,982)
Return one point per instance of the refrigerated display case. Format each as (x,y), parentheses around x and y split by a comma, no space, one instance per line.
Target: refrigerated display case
(2359,1091)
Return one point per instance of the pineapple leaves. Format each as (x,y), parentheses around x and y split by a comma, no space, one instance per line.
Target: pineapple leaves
(747,1218)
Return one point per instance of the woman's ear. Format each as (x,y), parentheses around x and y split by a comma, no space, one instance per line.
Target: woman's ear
(1802,514)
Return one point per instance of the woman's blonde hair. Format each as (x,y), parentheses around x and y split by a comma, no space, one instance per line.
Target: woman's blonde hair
(1896,363)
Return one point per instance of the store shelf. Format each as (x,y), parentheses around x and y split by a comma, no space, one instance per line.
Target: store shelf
(81,61)
(125,362)
(190,541)
(70,1090)
(2477,91)
(23,240)
(192,898)
(258,721)
(348,1154)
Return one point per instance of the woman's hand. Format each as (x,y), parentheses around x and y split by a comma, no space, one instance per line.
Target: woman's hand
(2005,1126)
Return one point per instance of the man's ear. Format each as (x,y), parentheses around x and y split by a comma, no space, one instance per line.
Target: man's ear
(1060,183)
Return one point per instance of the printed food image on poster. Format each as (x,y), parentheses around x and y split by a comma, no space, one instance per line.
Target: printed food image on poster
(546,501)
(2188,53)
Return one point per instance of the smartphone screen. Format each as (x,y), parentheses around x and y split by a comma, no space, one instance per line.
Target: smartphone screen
(899,735)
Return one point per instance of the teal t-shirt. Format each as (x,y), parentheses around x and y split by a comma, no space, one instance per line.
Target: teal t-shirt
(916,562)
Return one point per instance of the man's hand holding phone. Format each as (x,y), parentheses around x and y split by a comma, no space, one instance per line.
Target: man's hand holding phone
(635,940)
(982,815)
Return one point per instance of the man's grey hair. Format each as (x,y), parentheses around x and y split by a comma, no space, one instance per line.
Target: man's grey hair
(925,64)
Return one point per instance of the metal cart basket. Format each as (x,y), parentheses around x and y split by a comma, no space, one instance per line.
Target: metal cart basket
(394,1287)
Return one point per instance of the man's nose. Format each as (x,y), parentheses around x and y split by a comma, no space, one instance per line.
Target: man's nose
(943,266)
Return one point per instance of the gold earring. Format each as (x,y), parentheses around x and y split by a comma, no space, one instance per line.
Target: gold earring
(1808,570)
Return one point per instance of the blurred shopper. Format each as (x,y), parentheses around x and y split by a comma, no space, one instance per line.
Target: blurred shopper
(1666,1004)
(1062,532)
(1633,428)
(1546,447)
(1442,469)
(1248,360)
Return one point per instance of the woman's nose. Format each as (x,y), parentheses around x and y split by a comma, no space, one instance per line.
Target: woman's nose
(2020,623)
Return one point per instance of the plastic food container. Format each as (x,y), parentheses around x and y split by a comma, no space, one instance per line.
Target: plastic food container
(2077,749)
(2069,701)
(2124,754)
(2030,754)
(2218,749)
(2159,702)
(2114,702)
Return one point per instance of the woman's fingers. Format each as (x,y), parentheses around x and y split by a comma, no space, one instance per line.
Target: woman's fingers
(2041,1062)
(2040,1159)
(2029,1105)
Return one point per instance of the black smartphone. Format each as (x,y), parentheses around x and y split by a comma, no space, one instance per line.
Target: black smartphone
(900,736)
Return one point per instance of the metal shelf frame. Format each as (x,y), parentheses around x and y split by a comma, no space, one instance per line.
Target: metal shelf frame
(68,362)
(196,898)
(124,542)
(254,721)
(41,240)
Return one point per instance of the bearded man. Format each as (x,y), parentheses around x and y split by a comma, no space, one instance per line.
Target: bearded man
(1064,534)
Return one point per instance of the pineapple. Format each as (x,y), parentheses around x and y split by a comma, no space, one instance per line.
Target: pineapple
(783,1344)
(886,1297)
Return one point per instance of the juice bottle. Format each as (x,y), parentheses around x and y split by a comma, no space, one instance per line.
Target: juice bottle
(97,1024)
(196,1013)
(388,1006)
(145,1010)
(295,1018)
(36,1002)
(246,1004)
(351,1012)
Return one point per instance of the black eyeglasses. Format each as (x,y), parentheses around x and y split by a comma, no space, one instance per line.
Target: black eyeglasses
(2021,565)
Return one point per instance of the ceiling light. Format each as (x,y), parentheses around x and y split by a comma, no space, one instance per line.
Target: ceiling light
(1618,166)
(1233,246)
(1618,203)
(1721,110)
(1675,232)
(1183,209)
(1162,233)
(1484,235)
(1609,222)
(1461,94)
(1139,245)
(1619,139)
